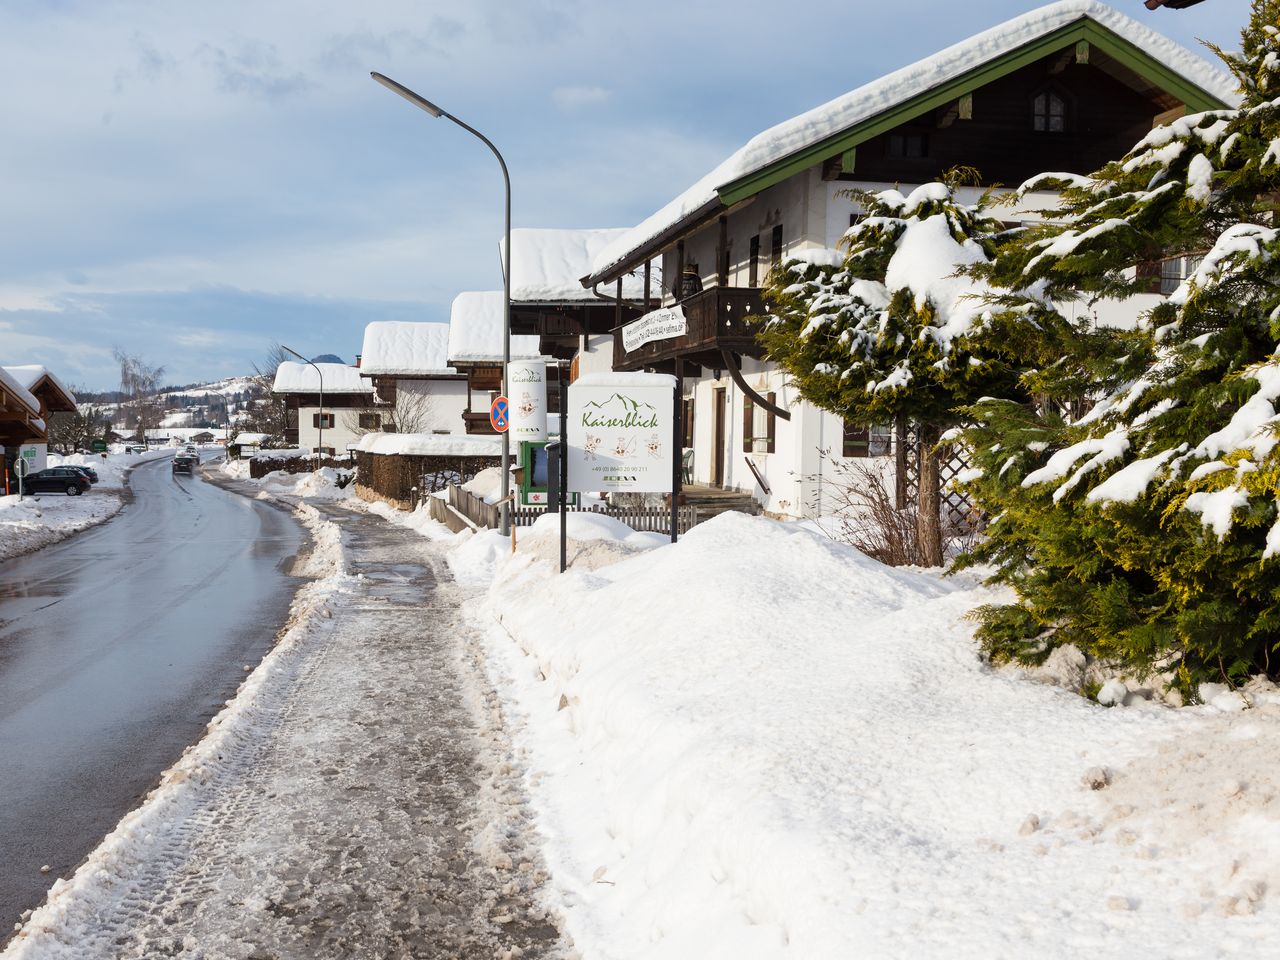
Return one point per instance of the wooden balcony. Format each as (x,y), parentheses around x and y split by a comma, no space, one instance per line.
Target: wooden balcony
(479,423)
(719,318)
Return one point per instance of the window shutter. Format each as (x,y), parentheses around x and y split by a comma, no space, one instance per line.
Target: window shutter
(771,428)
(315,421)
(775,245)
(753,269)
(748,423)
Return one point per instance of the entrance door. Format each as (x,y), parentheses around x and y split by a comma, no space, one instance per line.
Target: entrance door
(718,437)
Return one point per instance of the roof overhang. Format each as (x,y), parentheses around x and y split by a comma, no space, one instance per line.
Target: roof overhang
(1082,30)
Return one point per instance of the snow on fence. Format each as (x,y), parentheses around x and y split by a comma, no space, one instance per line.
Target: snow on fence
(260,466)
(483,514)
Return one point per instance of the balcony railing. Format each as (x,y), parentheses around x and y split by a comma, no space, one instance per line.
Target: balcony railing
(718,318)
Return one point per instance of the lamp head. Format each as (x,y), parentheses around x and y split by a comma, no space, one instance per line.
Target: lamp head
(420,102)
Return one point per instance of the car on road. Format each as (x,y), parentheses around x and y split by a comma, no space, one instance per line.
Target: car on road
(89,472)
(184,464)
(66,480)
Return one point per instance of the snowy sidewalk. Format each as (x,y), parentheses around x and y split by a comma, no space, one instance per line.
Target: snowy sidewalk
(365,807)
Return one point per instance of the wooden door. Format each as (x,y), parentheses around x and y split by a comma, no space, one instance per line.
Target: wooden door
(718,438)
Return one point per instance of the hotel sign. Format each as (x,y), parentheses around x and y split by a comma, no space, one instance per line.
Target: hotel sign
(661,324)
(620,436)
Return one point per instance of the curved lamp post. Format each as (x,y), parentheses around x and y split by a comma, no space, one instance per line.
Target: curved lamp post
(424,104)
(320,374)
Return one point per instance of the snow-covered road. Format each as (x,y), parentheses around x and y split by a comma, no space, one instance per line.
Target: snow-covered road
(358,800)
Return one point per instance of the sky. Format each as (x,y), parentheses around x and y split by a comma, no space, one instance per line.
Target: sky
(191,182)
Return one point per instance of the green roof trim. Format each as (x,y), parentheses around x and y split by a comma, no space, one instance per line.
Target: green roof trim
(1086,30)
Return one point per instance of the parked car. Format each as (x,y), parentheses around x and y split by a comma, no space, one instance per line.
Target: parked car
(66,480)
(89,472)
(184,464)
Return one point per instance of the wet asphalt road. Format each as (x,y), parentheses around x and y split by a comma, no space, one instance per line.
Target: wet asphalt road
(116,648)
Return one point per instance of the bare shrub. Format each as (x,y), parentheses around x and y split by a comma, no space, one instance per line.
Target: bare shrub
(863,514)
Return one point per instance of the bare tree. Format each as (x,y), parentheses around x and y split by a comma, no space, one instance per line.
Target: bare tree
(266,412)
(398,411)
(139,382)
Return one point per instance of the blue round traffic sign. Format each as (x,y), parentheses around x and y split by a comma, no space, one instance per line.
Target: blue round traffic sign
(500,414)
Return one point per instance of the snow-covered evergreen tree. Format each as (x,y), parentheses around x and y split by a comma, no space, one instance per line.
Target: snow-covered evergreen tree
(893,328)
(1145,531)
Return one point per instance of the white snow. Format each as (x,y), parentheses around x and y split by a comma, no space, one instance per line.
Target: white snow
(925,262)
(250,439)
(1104,450)
(295,377)
(405,349)
(1217,508)
(475,331)
(547,266)
(430,445)
(885,93)
(1131,481)
(1200,178)
(11,385)
(28,375)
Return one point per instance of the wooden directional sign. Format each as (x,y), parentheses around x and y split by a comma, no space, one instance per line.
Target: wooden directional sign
(500,414)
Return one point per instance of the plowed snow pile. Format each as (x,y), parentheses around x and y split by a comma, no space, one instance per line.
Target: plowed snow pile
(758,743)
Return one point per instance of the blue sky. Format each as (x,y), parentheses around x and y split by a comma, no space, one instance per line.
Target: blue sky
(193,181)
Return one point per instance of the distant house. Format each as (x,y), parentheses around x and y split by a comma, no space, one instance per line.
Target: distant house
(20,432)
(202,436)
(549,301)
(246,445)
(414,388)
(1067,87)
(347,397)
(476,349)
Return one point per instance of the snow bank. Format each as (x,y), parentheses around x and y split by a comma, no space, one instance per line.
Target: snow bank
(757,743)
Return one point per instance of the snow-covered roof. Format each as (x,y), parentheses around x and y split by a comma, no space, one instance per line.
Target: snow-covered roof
(250,439)
(891,90)
(405,349)
(547,266)
(294,377)
(475,330)
(430,444)
(29,374)
(10,384)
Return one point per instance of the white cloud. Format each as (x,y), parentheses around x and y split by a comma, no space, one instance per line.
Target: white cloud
(576,98)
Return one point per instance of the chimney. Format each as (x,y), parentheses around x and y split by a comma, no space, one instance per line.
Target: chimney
(357,361)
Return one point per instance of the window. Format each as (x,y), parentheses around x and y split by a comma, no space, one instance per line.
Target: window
(908,146)
(775,245)
(1176,269)
(325,420)
(370,421)
(759,437)
(1048,112)
(861,441)
(686,424)
(753,263)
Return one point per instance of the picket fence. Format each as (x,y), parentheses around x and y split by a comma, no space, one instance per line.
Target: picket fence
(645,519)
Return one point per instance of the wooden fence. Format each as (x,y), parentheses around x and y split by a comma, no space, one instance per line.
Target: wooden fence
(259,467)
(647,519)
(406,480)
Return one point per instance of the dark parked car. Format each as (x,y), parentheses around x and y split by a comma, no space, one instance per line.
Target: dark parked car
(184,464)
(89,472)
(66,480)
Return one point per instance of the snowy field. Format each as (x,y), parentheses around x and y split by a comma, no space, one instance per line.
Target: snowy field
(758,743)
(35,521)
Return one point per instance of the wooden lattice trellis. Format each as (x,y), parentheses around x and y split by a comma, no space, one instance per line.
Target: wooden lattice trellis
(958,513)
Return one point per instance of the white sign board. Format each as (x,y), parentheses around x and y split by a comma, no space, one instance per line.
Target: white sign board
(620,436)
(661,324)
(527,381)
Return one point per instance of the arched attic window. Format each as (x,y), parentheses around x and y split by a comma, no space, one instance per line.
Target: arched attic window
(1048,111)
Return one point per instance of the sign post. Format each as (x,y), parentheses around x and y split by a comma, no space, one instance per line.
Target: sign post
(20,467)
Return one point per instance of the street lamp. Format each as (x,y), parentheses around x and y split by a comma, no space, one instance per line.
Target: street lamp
(423,103)
(320,419)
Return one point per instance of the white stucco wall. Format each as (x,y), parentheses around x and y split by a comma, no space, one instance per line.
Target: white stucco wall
(445,401)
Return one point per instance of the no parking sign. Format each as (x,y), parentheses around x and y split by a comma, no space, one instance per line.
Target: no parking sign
(500,414)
